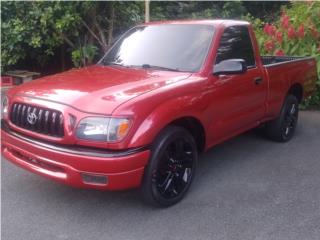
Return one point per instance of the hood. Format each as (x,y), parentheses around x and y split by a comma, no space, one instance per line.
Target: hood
(98,89)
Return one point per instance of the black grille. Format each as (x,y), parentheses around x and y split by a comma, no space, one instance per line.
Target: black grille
(41,120)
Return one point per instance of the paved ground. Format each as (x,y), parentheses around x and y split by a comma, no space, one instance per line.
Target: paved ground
(247,188)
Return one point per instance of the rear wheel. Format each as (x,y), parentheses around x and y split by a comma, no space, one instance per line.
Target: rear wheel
(171,169)
(283,128)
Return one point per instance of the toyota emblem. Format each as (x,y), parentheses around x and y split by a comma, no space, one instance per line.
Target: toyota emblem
(32,118)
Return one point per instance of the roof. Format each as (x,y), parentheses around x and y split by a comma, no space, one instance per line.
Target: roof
(213,22)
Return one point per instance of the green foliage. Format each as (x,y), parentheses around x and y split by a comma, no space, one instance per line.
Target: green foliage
(127,14)
(35,29)
(266,10)
(296,32)
(196,9)
(84,56)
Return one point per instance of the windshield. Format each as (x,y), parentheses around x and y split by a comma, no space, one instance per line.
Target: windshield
(170,47)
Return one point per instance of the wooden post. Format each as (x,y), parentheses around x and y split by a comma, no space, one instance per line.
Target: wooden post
(147,10)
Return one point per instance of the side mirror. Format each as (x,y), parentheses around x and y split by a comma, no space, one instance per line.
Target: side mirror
(230,66)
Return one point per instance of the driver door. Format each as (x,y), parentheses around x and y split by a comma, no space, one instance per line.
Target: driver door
(237,100)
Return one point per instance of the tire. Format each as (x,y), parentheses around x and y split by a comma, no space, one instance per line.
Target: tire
(171,168)
(282,129)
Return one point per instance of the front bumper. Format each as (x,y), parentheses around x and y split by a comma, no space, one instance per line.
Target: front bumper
(122,169)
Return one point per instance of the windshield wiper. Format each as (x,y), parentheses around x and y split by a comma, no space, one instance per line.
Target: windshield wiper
(159,67)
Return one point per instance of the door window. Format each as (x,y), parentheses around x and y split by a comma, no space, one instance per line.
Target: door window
(236,43)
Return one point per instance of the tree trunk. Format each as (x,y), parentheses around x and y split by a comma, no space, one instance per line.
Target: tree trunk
(62,55)
(111,20)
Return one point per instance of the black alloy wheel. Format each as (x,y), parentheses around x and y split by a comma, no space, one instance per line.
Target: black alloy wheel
(282,129)
(172,167)
(290,121)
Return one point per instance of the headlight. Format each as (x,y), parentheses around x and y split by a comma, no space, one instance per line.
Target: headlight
(103,129)
(4,107)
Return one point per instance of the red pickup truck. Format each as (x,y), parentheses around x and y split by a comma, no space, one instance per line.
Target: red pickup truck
(164,93)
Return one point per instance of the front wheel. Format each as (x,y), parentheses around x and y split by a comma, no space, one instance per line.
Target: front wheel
(171,168)
(283,128)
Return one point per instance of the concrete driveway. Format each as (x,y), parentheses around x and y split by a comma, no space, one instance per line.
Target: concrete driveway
(247,188)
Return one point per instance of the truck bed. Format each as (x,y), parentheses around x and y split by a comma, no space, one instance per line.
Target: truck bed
(286,71)
(275,60)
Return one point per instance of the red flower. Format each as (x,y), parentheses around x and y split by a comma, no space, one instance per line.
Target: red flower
(269,29)
(279,37)
(279,52)
(285,20)
(291,33)
(272,30)
(269,46)
(300,32)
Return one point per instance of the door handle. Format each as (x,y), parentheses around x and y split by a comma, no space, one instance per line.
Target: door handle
(258,80)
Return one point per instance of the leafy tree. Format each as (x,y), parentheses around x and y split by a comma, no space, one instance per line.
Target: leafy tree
(265,10)
(199,10)
(34,29)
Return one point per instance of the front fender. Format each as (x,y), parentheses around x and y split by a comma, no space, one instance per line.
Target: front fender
(162,116)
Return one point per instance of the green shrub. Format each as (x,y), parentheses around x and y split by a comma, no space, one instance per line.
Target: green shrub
(84,56)
(296,33)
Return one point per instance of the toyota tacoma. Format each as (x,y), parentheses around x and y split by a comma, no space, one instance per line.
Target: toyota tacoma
(161,95)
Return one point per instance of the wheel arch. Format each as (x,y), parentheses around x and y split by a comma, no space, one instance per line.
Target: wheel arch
(195,128)
(296,90)
(152,127)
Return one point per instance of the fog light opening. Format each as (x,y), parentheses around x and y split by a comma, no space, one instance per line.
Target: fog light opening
(94,179)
